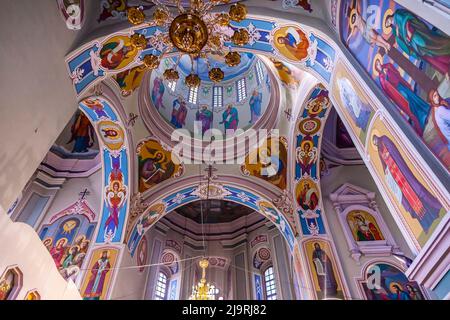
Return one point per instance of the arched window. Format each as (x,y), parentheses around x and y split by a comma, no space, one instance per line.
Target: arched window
(217,97)
(193,94)
(172,85)
(241,86)
(259,72)
(161,286)
(269,281)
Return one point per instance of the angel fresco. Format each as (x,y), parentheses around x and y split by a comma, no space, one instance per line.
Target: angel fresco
(115,198)
(306,155)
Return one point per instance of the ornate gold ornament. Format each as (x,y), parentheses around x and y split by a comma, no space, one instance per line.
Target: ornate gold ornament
(138,41)
(171,75)
(216,74)
(192,80)
(151,61)
(193,30)
(135,16)
(232,59)
(240,37)
(238,12)
(188,33)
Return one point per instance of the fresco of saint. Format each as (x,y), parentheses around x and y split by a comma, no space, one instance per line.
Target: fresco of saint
(292,42)
(205,116)
(96,282)
(323,268)
(441,116)
(410,193)
(6,285)
(415,38)
(403,95)
(394,285)
(116,53)
(130,80)
(230,118)
(362,228)
(308,196)
(179,113)
(155,164)
(409,59)
(358,110)
(158,93)
(83,134)
(255,106)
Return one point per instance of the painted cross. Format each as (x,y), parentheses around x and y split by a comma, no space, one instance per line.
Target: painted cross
(132,119)
(84,193)
(288,114)
(210,170)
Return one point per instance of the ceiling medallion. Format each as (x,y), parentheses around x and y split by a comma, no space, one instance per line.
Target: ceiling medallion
(196,31)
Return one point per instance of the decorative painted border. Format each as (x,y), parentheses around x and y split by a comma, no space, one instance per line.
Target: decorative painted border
(115,161)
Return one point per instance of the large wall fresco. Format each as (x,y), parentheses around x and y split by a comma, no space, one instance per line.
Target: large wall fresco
(268,163)
(355,105)
(324,270)
(115,168)
(409,190)
(308,138)
(155,164)
(394,285)
(115,54)
(409,60)
(68,236)
(99,272)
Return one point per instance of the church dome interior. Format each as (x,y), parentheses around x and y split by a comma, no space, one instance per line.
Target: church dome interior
(225,150)
(245,87)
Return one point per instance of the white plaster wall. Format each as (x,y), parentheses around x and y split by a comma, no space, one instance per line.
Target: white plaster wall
(36,95)
(21,246)
(359,176)
(69,194)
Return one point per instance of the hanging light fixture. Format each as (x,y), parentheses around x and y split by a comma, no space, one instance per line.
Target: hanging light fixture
(195,31)
(203,290)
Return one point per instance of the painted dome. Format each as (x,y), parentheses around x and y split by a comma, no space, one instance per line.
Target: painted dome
(238,102)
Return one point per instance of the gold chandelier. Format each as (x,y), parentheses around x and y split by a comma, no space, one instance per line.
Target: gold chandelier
(195,31)
(203,290)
